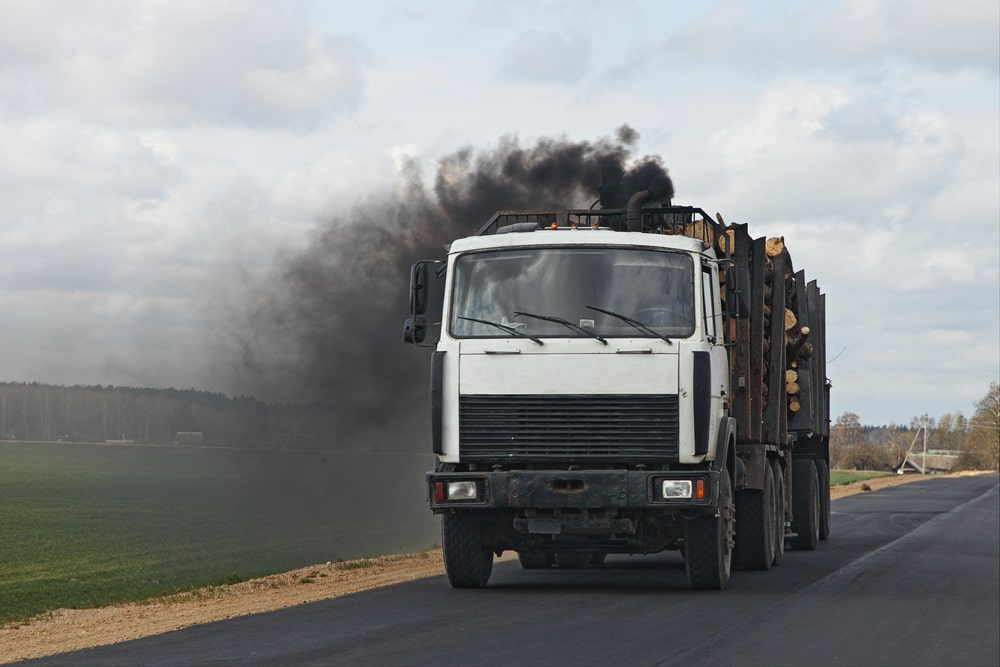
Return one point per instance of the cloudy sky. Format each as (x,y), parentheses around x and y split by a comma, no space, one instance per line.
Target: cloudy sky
(159,157)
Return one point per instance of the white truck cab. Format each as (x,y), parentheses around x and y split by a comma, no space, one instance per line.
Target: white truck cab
(580,345)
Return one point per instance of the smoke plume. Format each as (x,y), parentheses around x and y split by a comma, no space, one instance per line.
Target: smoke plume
(330,329)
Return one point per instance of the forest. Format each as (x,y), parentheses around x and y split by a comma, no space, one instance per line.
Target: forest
(52,413)
(976,439)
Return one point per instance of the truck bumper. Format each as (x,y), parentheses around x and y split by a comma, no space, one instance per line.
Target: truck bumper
(542,489)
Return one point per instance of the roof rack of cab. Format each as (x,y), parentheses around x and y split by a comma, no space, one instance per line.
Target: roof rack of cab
(689,221)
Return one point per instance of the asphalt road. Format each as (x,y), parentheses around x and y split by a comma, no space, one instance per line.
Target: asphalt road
(909,576)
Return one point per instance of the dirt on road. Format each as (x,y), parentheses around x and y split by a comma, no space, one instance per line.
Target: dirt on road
(71,629)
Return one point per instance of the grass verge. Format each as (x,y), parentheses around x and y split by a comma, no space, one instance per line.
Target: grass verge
(91,525)
(838,477)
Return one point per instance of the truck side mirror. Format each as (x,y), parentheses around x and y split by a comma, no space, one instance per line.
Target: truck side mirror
(418,288)
(738,291)
(414,330)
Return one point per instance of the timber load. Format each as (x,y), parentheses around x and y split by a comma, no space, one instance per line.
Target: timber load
(778,358)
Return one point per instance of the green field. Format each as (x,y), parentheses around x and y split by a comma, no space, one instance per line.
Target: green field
(90,525)
(838,477)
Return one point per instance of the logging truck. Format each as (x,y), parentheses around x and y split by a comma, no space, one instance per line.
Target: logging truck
(623,381)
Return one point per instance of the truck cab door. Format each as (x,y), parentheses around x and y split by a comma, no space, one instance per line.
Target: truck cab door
(712,326)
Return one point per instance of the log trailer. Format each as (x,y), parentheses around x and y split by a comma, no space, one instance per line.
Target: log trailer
(623,381)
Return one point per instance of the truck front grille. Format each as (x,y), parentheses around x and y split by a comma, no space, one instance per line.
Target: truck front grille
(592,427)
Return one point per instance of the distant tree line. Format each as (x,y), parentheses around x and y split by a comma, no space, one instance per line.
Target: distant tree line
(976,439)
(50,413)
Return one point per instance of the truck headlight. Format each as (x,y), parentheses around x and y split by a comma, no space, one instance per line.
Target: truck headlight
(676,488)
(466,490)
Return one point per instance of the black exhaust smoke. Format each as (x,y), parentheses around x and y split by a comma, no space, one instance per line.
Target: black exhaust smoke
(328,329)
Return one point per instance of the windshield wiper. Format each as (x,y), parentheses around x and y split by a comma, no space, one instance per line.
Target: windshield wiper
(633,323)
(565,323)
(503,327)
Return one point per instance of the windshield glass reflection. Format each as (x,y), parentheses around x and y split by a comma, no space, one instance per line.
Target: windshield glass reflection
(652,287)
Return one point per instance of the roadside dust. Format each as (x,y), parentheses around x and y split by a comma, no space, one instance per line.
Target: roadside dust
(65,630)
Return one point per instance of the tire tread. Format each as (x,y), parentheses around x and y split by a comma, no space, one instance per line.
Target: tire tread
(467,560)
(805,505)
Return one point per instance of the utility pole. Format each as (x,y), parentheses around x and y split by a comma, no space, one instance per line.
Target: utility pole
(924,462)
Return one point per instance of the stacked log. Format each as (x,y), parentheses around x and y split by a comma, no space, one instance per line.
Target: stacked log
(799,347)
(705,230)
(795,336)
(772,248)
(699,229)
(790,320)
(792,333)
(720,243)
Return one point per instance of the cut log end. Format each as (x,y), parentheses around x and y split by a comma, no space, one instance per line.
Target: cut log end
(790,320)
(774,246)
(721,241)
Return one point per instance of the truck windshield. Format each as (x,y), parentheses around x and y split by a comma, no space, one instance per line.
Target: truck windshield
(652,287)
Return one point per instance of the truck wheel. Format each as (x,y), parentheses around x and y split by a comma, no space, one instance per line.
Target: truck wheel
(467,559)
(779,511)
(572,561)
(708,541)
(823,475)
(535,560)
(755,522)
(805,505)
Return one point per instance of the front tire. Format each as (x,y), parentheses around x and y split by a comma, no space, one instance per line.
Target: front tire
(468,560)
(709,544)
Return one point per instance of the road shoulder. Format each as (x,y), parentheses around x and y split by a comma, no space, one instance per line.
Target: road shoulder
(65,630)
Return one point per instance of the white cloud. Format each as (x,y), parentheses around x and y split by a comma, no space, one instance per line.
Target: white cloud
(546,57)
(947,266)
(67,159)
(331,181)
(786,116)
(783,152)
(947,36)
(856,33)
(177,63)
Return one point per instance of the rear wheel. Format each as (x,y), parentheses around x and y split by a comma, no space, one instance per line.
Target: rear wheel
(823,475)
(779,511)
(805,505)
(755,521)
(468,560)
(708,542)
